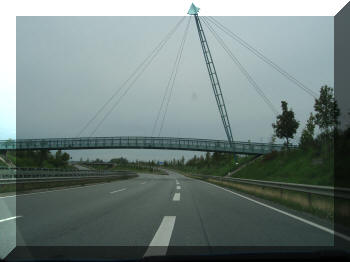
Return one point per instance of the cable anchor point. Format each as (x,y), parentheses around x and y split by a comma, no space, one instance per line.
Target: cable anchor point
(193,10)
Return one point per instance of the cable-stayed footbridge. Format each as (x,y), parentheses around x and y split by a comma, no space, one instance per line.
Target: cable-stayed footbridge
(155,141)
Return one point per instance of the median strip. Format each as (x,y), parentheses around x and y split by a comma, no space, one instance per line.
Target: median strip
(119,190)
(23,185)
(160,242)
(50,191)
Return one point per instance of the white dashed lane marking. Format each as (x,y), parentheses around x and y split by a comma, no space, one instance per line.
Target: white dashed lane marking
(160,242)
(176,197)
(9,218)
(118,190)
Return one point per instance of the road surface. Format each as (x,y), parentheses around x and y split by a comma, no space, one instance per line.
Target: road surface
(154,214)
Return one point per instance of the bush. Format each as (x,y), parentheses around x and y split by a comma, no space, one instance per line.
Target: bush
(270,156)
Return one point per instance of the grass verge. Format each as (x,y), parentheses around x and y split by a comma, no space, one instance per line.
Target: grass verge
(320,206)
(297,166)
(324,207)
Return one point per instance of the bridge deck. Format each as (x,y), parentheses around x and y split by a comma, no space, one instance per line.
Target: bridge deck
(169,143)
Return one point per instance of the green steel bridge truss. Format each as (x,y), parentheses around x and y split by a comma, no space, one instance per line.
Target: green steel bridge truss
(139,142)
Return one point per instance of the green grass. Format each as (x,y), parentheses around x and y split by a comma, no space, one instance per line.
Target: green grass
(11,156)
(297,166)
(2,163)
(220,168)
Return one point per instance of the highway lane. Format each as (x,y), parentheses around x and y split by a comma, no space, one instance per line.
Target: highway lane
(151,211)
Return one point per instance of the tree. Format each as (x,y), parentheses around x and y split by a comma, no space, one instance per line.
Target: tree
(307,136)
(182,161)
(65,157)
(326,117)
(216,157)
(121,161)
(327,111)
(43,155)
(286,125)
(201,161)
(207,158)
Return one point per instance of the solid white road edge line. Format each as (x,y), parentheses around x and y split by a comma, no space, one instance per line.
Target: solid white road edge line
(9,218)
(160,242)
(286,213)
(176,197)
(116,191)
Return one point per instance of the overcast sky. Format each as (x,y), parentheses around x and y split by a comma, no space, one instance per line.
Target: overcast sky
(68,67)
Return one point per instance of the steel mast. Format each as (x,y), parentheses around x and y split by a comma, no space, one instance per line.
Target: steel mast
(212,74)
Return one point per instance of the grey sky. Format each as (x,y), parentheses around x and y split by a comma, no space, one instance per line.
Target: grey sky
(67,67)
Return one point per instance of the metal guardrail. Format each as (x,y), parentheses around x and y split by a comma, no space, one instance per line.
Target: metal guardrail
(338,192)
(170,143)
(21,175)
(55,179)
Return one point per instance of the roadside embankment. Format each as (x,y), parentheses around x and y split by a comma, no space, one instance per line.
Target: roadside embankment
(294,166)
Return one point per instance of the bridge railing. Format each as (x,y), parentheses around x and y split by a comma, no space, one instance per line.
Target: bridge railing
(141,142)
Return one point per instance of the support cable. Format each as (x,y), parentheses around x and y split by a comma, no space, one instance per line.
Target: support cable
(130,85)
(241,68)
(155,50)
(261,56)
(175,74)
(167,89)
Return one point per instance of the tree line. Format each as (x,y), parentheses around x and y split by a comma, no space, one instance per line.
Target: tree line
(325,117)
(42,158)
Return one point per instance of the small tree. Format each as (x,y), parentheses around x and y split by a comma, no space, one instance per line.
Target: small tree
(327,111)
(307,136)
(326,117)
(286,125)
(273,139)
(43,155)
(182,161)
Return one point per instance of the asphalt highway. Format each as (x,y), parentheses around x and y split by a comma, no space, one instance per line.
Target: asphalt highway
(154,215)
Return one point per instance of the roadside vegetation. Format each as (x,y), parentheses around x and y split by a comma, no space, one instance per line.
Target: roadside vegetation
(311,163)
(218,164)
(296,166)
(39,158)
(122,163)
(2,163)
